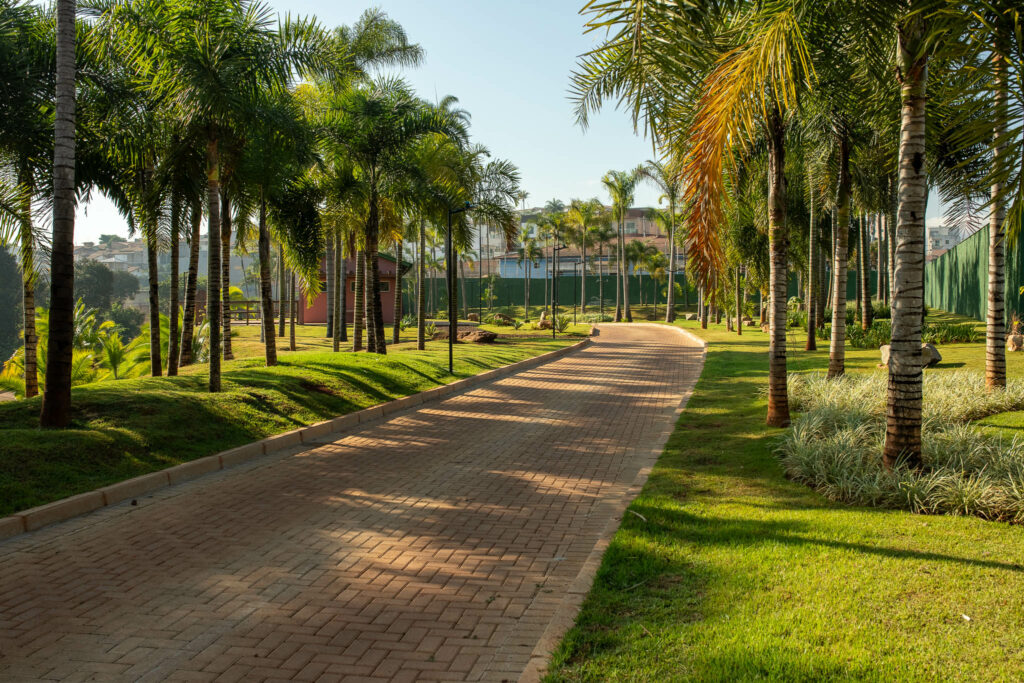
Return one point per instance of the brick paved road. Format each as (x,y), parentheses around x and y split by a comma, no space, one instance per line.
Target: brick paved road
(437,545)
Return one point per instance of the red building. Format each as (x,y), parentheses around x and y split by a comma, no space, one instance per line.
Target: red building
(311,314)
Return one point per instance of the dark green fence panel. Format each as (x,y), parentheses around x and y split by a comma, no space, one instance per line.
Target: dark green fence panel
(957,281)
(511,292)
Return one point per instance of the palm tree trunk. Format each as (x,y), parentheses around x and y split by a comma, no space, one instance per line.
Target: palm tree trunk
(876,220)
(294,305)
(173,341)
(865,266)
(359,304)
(891,225)
(618,273)
(191,283)
(56,410)
(282,290)
(329,273)
(526,293)
(155,361)
(812,279)
(600,276)
(739,303)
(266,286)
(343,294)
(396,329)
(374,314)
(627,313)
(339,293)
(995,323)
(670,295)
(421,293)
(903,408)
(225,267)
(28,287)
(462,276)
(702,304)
(841,230)
(778,397)
(583,275)
(371,342)
(213,286)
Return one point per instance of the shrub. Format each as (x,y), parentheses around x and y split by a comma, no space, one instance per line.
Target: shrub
(516,324)
(562,323)
(406,322)
(835,446)
(951,333)
(597,318)
(429,330)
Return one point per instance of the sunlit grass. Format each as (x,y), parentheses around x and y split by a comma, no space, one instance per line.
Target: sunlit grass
(739,574)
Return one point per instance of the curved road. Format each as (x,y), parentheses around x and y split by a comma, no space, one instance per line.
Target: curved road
(452,541)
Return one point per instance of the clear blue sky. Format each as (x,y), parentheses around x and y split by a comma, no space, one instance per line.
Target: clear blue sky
(509,65)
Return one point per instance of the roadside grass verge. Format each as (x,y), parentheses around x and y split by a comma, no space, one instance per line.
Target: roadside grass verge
(740,574)
(130,427)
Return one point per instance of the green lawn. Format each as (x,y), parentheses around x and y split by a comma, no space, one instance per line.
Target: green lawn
(739,574)
(130,427)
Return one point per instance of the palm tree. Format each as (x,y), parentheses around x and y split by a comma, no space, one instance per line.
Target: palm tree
(529,255)
(665,175)
(378,124)
(603,235)
(586,217)
(621,186)
(56,409)
(25,139)
(208,59)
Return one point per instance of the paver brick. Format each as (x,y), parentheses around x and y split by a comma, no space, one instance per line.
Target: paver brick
(438,542)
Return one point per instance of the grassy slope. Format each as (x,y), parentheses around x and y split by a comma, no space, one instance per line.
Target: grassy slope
(131,427)
(739,574)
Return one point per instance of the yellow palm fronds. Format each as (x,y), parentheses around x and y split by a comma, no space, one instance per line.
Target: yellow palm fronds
(762,73)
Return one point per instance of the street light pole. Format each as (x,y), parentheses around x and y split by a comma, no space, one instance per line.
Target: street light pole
(450,275)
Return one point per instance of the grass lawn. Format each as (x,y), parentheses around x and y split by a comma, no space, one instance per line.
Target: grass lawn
(130,427)
(740,574)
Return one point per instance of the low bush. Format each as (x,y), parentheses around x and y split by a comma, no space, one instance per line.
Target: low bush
(880,333)
(562,323)
(597,318)
(835,446)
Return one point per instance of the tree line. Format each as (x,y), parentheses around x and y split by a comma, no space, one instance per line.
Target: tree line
(808,122)
(219,112)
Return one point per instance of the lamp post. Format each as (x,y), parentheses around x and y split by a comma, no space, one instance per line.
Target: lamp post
(450,275)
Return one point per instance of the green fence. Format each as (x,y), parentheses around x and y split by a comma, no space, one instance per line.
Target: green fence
(957,281)
(511,291)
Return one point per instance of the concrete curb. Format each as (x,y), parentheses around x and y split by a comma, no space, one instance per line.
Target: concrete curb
(567,611)
(84,503)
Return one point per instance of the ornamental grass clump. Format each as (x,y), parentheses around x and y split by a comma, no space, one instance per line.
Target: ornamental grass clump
(835,446)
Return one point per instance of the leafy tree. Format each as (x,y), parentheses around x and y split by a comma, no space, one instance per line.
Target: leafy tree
(94,284)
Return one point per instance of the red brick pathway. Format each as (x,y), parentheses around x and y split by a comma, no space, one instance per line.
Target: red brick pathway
(437,545)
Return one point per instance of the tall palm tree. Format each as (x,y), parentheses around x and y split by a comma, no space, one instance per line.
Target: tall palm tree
(26,137)
(586,217)
(621,187)
(603,235)
(665,176)
(529,256)
(56,409)
(207,59)
(378,124)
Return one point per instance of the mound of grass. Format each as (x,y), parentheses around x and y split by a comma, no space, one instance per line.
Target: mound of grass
(131,427)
